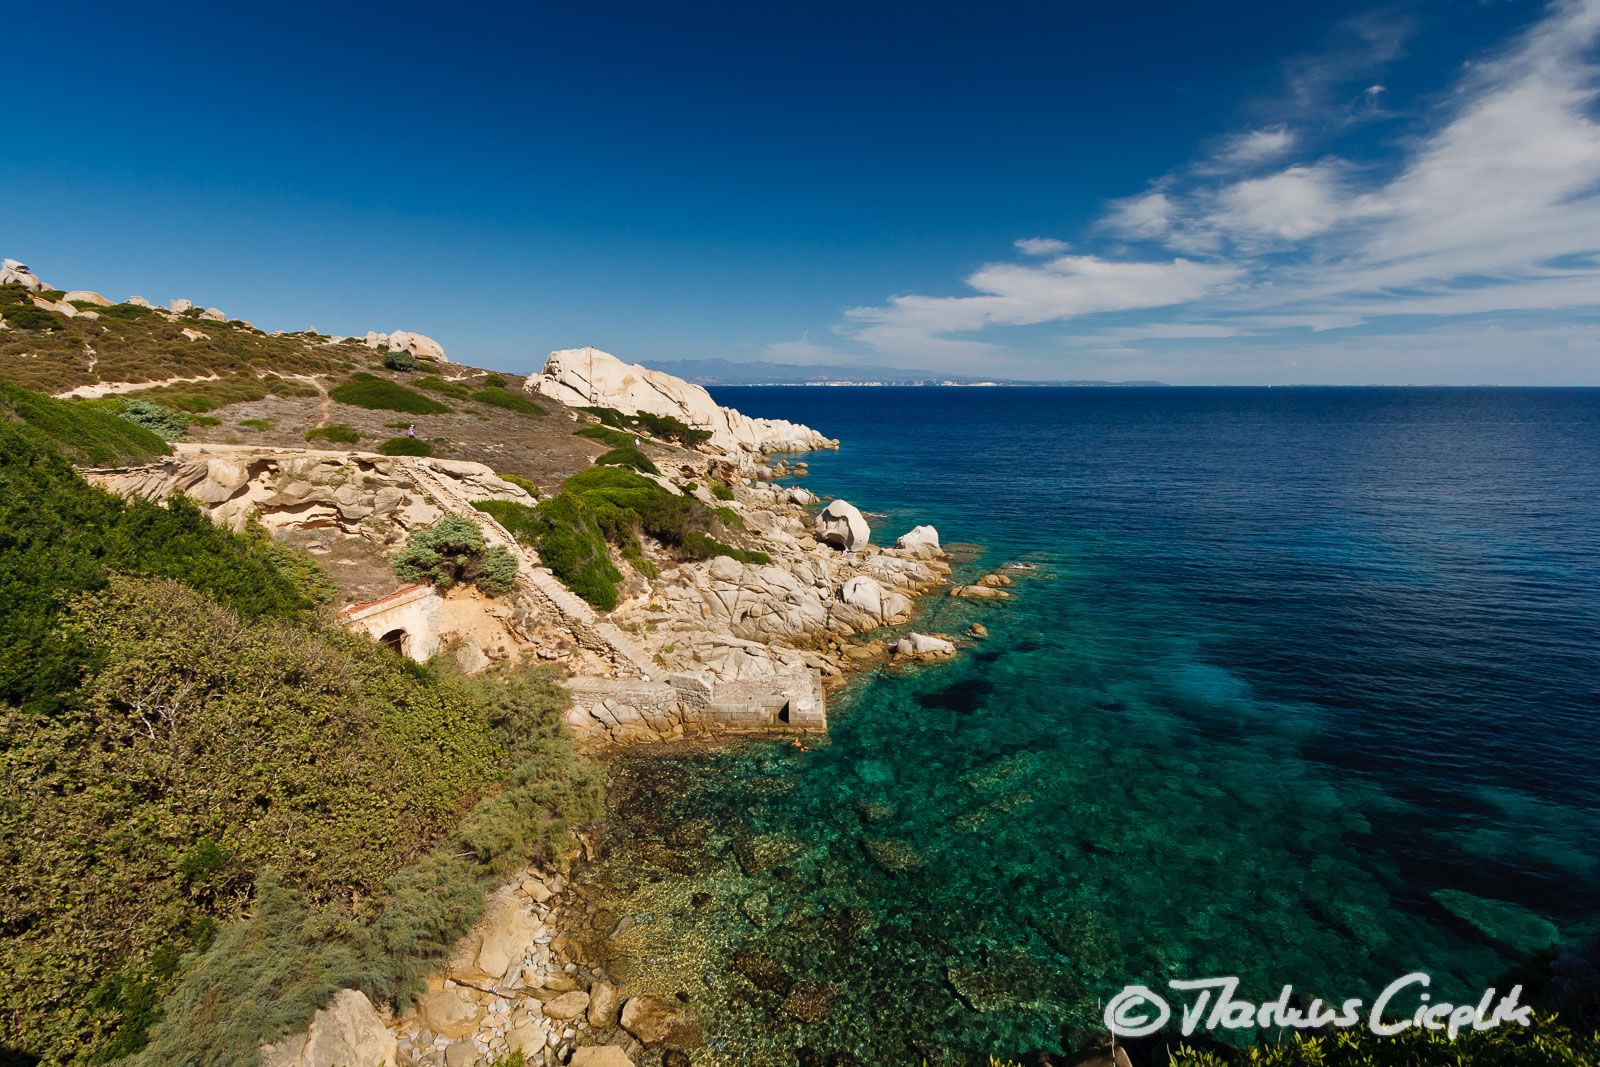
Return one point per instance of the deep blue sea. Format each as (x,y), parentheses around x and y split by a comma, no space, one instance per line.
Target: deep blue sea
(1305,687)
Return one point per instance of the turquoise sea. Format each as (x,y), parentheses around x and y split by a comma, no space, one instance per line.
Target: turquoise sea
(1304,687)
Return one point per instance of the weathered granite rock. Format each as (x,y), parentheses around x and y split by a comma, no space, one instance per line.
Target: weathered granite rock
(139,301)
(605,1005)
(213,315)
(588,377)
(567,1005)
(84,296)
(425,348)
(920,541)
(979,592)
(450,1011)
(13,272)
(347,1033)
(654,1022)
(504,933)
(840,524)
(600,1056)
(180,305)
(923,645)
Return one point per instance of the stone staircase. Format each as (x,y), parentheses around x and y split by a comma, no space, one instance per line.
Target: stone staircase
(545,585)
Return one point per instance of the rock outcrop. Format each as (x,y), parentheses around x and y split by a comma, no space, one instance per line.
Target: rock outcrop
(841,525)
(922,541)
(424,348)
(349,1032)
(923,645)
(84,296)
(14,273)
(180,305)
(588,377)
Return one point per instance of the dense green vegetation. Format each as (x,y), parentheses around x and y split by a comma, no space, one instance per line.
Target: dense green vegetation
(406,446)
(337,433)
(379,394)
(401,361)
(165,423)
(453,552)
(569,541)
(627,456)
(91,434)
(1547,1043)
(434,383)
(663,427)
(719,489)
(186,742)
(255,424)
(614,438)
(501,397)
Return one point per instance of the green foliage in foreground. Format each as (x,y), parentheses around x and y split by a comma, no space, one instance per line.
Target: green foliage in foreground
(406,446)
(379,394)
(401,361)
(627,456)
(569,541)
(453,552)
(179,759)
(663,427)
(337,433)
(501,397)
(89,433)
(1547,1043)
(626,503)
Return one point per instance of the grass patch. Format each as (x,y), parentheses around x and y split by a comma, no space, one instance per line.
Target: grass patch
(500,397)
(607,435)
(719,489)
(256,424)
(662,427)
(629,457)
(406,446)
(89,433)
(196,397)
(379,394)
(434,383)
(337,433)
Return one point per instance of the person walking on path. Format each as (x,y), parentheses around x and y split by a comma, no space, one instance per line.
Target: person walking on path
(411,431)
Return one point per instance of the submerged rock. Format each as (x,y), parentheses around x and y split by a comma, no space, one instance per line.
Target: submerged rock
(809,1002)
(655,1022)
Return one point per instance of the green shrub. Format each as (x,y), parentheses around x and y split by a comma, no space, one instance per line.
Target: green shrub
(255,424)
(14,293)
(569,541)
(379,394)
(126,312)
(337,433)
(401,361)
(729,518)
(614,438)
(208,396)
(28,317)
(719,489)
(406,446)
(627,457)
(663,427)
(89,432)
(204,420)
(162,421)
(1546,1043)
(504,398)
(452,551)
(625,503)
(527,484)
(434,383)
(494,381)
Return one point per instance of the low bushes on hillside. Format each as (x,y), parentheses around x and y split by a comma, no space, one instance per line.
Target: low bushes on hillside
(401,361)
(29,317)
(337,433)
(663,427)
(379,394)
(89,433)
(165,423)
(238,389)
(629,457)
(612,437)
(452,551)
(501,397)
(406,446)
(434,383)
(569,541)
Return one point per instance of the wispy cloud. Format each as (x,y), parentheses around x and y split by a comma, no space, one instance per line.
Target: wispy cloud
(1492,207)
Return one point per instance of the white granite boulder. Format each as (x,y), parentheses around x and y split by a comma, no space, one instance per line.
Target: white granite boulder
(180,305)
(349,1032)
(13,272)
(923,645)
(84,296)
(840,524)
(425,348)
(213,315)
(139,301)
(921,541)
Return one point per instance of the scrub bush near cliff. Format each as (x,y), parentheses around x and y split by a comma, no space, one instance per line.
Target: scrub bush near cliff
(452,551)
(569,541)
(662,427)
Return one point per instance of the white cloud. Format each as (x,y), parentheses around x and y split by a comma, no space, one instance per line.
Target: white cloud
(1041,246)
(1258,146)
(1290,205)
(1016,294)
(1148,215)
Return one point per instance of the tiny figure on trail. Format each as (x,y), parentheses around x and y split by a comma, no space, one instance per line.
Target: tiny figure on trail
(411,431)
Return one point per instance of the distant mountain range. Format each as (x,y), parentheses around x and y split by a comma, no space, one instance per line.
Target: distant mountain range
(727,372)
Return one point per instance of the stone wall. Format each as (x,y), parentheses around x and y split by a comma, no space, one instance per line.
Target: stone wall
(624,710)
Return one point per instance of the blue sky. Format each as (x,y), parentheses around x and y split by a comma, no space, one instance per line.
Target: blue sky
(1241,193)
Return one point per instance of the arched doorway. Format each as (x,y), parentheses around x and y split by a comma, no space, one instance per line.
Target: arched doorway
(395,639)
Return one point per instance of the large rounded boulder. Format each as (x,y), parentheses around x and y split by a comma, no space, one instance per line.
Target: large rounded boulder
(841,525)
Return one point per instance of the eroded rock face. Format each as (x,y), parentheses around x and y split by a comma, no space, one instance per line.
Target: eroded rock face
(180,305)
(425,348)
(842,525)
(588,377)
(84,296)
(13,272)
(347,1033)
(923,645)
